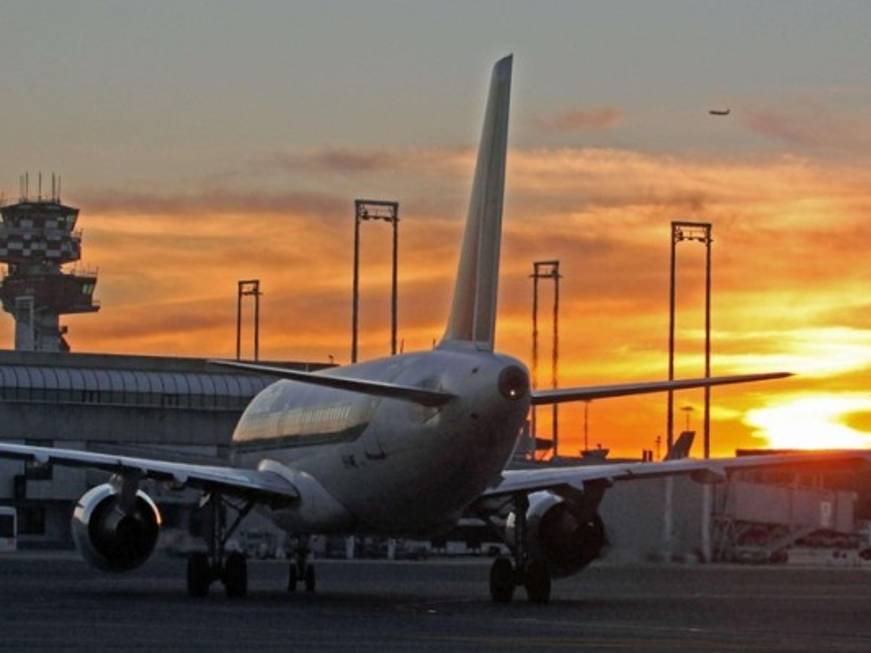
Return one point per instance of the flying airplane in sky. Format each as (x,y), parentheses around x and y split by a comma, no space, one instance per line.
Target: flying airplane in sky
(720,112)
(398,446)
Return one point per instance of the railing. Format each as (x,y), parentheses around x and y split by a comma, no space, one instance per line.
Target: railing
(79,270)
(51,233)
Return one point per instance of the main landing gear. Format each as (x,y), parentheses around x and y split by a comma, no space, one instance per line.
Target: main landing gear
(301,570)
(229,568)
(506,574)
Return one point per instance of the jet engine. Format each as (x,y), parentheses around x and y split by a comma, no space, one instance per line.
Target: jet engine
(111,536)
(561,534)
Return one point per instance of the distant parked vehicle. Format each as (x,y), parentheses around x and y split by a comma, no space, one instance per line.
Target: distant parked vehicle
(259,544)
(8,529)
(411,551)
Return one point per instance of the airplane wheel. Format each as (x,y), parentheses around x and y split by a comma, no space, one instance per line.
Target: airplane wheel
(536,580)
(502,580)
(199,575)
(236,575)
(310,580)
(291,577)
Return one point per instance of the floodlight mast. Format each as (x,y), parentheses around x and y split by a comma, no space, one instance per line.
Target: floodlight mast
(367,210)
(546,270)
(699,232)
(248,288)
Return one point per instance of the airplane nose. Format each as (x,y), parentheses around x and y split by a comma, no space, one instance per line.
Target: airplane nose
(513,383)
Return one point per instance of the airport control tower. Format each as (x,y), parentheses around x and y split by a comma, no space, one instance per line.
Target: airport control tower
(37,238)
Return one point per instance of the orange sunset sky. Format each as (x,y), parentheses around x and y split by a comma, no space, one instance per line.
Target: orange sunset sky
(198,159)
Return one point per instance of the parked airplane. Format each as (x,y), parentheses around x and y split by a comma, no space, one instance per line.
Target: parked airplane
(400,446)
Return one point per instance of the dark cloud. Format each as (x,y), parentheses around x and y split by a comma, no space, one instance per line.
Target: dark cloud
(582,120)
(177,318)
(814,125)
(336,160)
(359,161)
(211,201)
(847,382)
(780,126)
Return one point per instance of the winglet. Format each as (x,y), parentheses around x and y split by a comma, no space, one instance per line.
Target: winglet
(473,311)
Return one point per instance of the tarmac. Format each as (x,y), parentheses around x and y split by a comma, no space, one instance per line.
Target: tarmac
(52,602)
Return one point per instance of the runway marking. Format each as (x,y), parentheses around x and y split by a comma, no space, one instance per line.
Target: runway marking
(524,642)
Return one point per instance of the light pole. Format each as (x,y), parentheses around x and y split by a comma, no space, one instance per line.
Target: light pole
(587,425)
(367,210)
(546,270)
(698,232)
(687,410)
(248,288)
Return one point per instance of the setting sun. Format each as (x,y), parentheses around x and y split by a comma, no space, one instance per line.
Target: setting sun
(812,422)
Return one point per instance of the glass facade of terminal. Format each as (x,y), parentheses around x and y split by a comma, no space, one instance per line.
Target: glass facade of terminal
(183,390)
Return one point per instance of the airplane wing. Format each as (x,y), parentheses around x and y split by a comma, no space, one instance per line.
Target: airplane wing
(587,393)
(710,470)
(422,396)
(232,480)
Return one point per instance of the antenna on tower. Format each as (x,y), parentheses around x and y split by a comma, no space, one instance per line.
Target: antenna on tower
(53,196)
(39,188)
(58,189)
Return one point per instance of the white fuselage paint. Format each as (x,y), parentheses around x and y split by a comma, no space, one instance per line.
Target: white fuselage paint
(373,465)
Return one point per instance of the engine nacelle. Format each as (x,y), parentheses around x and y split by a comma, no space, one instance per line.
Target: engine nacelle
(111,537)
(559,534)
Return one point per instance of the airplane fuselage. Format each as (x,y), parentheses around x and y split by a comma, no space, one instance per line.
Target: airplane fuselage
(386,465)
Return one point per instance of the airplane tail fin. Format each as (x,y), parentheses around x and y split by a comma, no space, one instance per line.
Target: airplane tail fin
(473,312)
(681,447)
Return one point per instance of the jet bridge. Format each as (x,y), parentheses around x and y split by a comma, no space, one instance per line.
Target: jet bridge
(757,522)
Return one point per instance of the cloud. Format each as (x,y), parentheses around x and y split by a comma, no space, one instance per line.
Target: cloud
(169,319)
(781,126)
(815,125)
(790,266)
(361,161)
(208,201)
(335,160)
(582,120)
(860,420)
(851,313)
